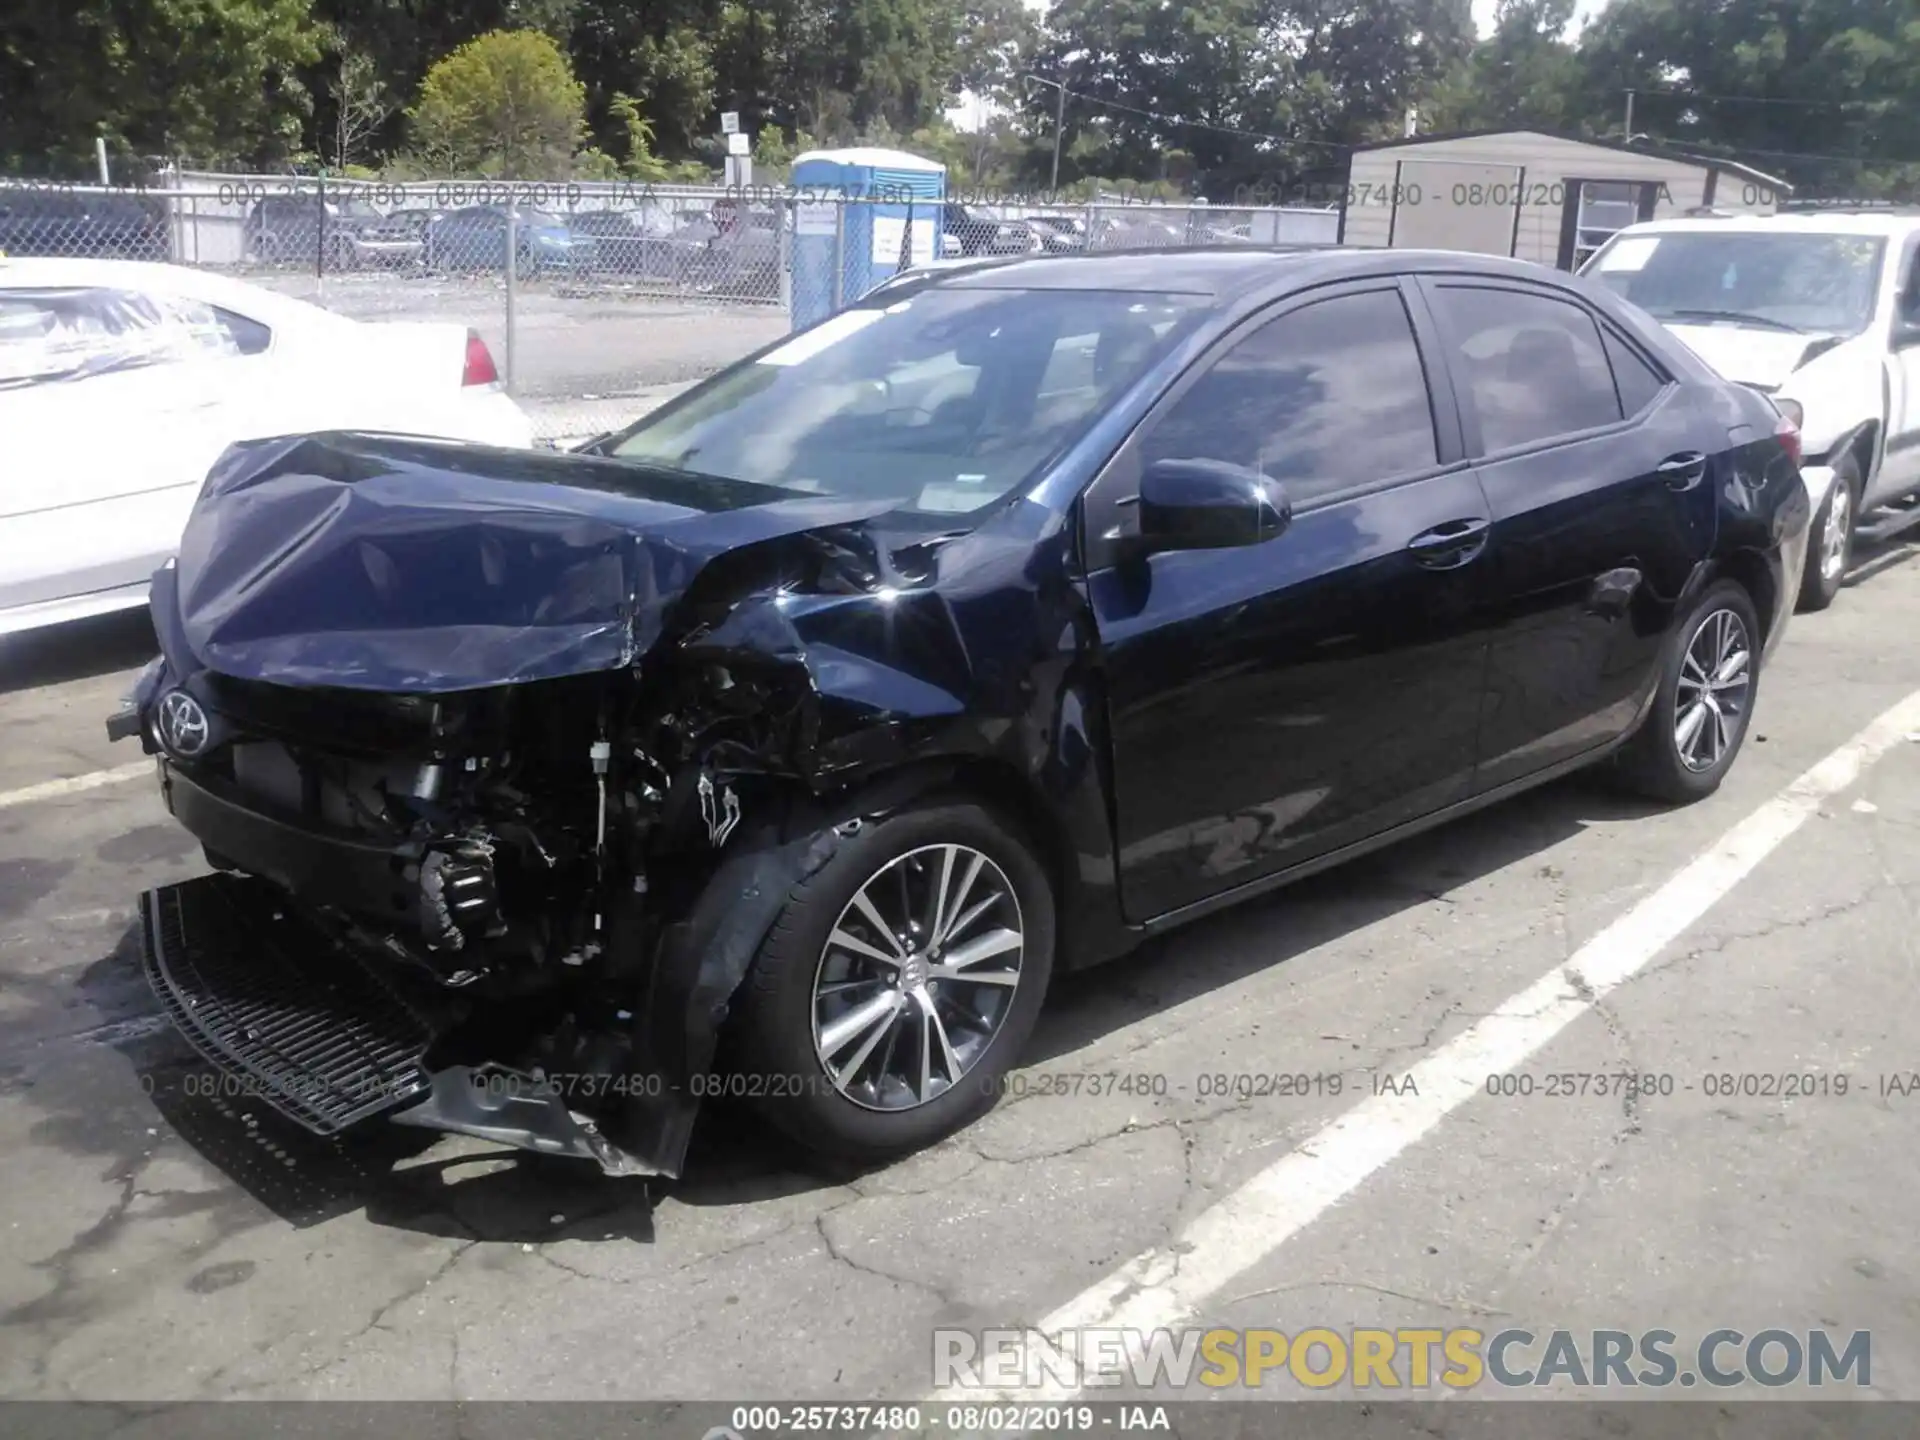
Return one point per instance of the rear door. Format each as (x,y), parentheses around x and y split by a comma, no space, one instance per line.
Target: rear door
(1602,474)
(1270,704)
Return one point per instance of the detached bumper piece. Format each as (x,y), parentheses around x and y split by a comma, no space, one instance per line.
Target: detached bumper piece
(322,1036)
(267,998)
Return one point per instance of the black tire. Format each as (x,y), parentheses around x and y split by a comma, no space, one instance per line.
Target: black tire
(1651,763)
(775,1034)
(1818,588)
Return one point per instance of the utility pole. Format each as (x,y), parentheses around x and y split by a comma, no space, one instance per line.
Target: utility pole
(1059,122)
(1059,127)
(1629,130)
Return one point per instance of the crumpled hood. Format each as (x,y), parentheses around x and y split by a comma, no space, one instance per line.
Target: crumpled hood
(419,566)
(1749,356)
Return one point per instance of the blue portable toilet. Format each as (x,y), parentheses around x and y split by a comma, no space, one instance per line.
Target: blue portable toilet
(858,203)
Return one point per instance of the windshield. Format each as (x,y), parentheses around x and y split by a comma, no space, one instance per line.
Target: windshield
(942,402)
(1778,280)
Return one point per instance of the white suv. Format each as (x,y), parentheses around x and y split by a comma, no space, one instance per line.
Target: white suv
(1821,312)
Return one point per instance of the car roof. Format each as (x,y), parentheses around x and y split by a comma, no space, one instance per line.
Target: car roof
(1812,222)
(1226,272)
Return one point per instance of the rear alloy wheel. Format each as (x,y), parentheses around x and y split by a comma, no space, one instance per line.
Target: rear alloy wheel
(1709,678)
(899,984)
(1830,542)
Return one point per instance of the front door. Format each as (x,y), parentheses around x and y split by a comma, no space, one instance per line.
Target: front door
(1899,470)
(1273,703)
(1599,471)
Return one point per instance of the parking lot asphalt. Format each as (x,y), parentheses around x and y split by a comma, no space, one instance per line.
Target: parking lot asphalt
(573,341)
(163,1244)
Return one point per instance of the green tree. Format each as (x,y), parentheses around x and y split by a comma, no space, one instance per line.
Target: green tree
(212,82)
(1821,91)
(641,163)
(994,42)
(505,104)
(1525,75)
(1256,91)
(361,105)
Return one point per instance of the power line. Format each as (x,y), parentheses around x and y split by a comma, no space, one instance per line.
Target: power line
(1809,155)
(1691,95)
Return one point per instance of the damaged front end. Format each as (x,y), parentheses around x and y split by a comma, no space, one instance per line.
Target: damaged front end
(505,773)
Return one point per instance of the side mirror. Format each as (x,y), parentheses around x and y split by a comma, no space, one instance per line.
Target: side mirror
(1209,505)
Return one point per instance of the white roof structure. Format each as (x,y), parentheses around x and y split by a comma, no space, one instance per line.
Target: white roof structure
(874,158)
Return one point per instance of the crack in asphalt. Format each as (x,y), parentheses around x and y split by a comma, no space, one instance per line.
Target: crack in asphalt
(905,1282)
(375,1321)
(63,1301)
(1470,1307)
(1772,927)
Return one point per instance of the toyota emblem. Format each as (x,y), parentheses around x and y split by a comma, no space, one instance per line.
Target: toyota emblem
(182,723)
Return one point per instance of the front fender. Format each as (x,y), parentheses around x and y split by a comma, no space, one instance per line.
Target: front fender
(1841,393)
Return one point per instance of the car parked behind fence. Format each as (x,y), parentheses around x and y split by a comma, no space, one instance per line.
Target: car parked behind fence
(81,224)
(344,234)
(475,238)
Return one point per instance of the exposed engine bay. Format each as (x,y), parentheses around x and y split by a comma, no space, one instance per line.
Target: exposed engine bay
(545,888)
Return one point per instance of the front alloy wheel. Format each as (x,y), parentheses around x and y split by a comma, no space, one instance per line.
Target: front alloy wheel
(1836,533)
(917,977)
(1830,546)
(899,983)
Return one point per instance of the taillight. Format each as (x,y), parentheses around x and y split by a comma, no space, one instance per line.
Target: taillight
(479,369)
(1789,434)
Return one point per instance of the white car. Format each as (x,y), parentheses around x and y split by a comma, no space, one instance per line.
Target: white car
(1822,313)
(122,382)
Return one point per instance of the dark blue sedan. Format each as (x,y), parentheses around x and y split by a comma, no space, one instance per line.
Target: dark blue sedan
(787,743)
(476,239)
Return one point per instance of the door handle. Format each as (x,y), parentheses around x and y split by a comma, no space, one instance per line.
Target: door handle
(1682,471)
(1454,543)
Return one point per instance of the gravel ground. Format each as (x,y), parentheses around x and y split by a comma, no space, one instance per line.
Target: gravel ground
(571,343)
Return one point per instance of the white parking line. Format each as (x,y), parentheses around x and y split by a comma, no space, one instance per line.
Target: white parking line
(1167,1286)
(93,780)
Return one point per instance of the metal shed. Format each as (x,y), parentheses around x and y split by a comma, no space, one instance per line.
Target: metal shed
(1536,196)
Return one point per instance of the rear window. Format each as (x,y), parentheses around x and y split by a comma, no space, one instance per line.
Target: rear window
(50,336)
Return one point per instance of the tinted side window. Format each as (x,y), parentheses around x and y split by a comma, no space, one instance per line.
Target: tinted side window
(1533,366)
(1323,399)
(1637,382)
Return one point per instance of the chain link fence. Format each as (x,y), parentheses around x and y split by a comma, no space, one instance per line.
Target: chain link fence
(598,299)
